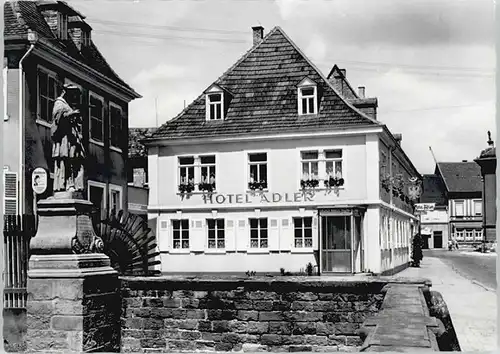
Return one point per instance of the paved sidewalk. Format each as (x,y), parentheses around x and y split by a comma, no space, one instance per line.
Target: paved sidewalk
(473,309)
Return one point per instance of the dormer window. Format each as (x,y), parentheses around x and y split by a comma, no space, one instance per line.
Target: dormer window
(62,26)
(215,106)
(215,97)
(307,97)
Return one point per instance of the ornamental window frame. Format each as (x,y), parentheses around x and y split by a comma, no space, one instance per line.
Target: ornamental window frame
(305,101)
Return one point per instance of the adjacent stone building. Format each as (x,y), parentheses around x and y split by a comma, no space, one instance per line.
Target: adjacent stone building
(48,44)
(275,166)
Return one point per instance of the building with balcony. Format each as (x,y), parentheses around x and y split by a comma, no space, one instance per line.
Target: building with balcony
(276,166)
(49,44)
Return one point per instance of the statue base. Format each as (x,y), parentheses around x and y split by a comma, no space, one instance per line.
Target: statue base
(73,304)
(64,226)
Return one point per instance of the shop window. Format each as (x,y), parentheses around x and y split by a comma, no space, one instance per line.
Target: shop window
(180,234)
(96,109)
(257,163)
(115,126)
(469,234)
(459,234)
(47,94)
(459,208)
(216,235)
(303,232)
(478,234)
(478,208)
(258,233)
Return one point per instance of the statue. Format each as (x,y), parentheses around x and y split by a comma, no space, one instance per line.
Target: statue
(68,151)
(490,151)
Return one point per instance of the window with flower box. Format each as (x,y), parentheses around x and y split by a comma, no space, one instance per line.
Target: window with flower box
(216,233)
(258,233)
(321,168)
(257,166)
(196,170)
(302,232)
(180,234)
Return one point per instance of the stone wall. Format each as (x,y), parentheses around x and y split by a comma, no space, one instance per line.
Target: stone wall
(68,314)
(174,314)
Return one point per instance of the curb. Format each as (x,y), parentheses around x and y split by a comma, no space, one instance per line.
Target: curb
(487,288)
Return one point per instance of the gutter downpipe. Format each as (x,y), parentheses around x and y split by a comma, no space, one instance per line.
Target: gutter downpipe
(22,126)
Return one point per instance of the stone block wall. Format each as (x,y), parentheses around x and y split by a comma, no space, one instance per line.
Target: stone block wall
(174,315)
(68,314)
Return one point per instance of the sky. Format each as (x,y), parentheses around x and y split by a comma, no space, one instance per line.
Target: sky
(430,63)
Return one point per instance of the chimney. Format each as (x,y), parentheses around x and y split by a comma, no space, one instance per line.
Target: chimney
(258,34)
(398,138)
(361,92)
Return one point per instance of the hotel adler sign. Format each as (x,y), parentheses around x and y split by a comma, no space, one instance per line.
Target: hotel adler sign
(259,197)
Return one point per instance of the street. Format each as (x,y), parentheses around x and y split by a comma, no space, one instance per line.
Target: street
(472,265)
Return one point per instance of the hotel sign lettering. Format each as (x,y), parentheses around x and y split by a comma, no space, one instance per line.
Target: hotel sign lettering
(264,197)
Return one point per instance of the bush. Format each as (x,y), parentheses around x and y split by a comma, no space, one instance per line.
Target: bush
(416,250)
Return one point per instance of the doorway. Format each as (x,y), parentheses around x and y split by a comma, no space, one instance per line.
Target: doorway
(438,239)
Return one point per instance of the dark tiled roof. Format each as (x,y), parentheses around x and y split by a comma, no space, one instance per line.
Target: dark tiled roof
(19,16)
(434,190)
(264,88)
(461,176)
(135,147)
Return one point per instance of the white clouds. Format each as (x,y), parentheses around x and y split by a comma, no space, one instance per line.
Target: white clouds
(317,48)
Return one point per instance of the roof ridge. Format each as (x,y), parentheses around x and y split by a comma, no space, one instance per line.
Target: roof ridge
(243,57)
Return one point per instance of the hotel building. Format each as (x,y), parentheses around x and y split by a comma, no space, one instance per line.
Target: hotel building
(276,166)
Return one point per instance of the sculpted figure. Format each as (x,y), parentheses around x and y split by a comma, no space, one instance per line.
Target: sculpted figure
(68,152)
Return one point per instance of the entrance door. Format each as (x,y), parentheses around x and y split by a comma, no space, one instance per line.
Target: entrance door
(438,239)
(336,244)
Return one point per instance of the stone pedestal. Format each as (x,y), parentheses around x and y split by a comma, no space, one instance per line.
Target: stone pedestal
(73,295)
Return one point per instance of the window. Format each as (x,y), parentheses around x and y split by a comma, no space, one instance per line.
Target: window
(116,125)
(307,100)
(459,208)
(96,118)
(309,165)
(333,159)
(208,170)
(258,233)
(459,234)
(215,233)
(47,94)
(85,37)
(97,195)
(478,234)
(115,200)
(62,25)
(186,169)
(303,232)
(478,207)
(469,234)
(180,234)
(214,106)
(258,170)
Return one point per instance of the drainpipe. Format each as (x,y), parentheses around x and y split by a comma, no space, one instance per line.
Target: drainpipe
(21,128)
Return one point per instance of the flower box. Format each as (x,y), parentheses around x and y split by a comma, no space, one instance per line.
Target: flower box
(334,182)
(206,187)
(257,185)
(186,188)
(309,183)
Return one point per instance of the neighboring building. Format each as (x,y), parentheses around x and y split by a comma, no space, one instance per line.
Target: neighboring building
(48,44)
(463,184)
(435,224)
(137,171)
(275,168)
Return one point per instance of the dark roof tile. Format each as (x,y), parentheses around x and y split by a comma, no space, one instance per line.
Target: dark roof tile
(263,84)
(434,190)
(461,176)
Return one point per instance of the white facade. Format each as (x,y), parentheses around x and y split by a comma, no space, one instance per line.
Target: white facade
(346,229)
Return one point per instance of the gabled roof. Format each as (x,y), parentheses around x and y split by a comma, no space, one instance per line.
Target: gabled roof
(341,84)
(264,88)
(21,16)
(434,190)
(460,177)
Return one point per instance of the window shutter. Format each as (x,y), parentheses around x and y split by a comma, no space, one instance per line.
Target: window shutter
(165,236)
(242,236)
(315,235)
(230,235)
(274,235)
(10,194)
(286,235)
(197,235)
